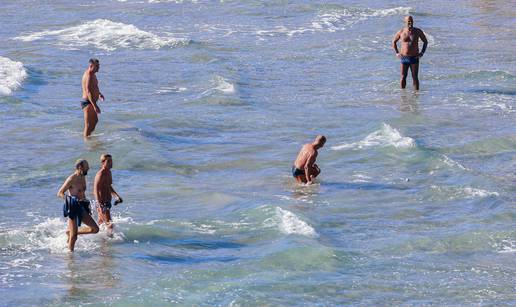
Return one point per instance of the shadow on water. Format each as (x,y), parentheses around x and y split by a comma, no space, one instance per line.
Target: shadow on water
(175,259)
(362,186)
(409,102)
(493,91)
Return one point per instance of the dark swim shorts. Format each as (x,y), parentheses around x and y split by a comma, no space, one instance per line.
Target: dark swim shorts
(74,208)
(104,207)
(407,60)
(297,172)
(84,103)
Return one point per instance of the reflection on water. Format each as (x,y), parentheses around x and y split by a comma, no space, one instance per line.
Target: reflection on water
(409,101)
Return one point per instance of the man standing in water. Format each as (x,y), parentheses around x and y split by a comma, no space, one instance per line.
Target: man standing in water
(103,190)
(90,96)
(304,169)
(409,54)
(77,207)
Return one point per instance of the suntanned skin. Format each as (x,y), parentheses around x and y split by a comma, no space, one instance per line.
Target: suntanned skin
(306,160)
(91,92)
(103,190)
(409,37)
(75,184)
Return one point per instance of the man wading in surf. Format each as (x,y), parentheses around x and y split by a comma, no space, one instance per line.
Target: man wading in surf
(409,54)
(304,169)
(90,96)
(103,190)
(77,207)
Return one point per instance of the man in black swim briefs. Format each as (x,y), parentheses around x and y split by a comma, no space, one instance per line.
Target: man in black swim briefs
(76,206)
(304,169)
(90,96)
(409,54)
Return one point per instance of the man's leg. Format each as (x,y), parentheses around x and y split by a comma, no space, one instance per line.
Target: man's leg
(92,226)
(414,70)
(404,71)
(90,119)
(72,233)
(301,179)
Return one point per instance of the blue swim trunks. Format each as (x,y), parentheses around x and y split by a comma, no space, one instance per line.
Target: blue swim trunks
(407,60)
(297,172)
(74,208)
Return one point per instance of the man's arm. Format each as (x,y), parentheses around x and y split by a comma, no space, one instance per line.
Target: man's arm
(425,42)
(308,167)
(89,86)
(113,192)
(395,42)
(66,185)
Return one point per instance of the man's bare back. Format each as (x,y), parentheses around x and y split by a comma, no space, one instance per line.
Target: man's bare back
(305,170)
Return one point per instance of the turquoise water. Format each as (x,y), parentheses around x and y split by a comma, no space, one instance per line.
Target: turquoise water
(207,104)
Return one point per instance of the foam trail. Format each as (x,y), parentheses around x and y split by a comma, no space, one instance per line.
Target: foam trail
(106,35)
(12,74)
(386,136)
(221,85)
(290,223)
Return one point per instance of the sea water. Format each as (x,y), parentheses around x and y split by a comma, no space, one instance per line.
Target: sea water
(207,104)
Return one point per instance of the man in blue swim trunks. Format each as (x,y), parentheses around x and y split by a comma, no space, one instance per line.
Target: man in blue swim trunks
(409,54)
(304,169)
(76,205)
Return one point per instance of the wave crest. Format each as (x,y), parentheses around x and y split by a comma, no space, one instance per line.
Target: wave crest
(106,35)
(386,136)
(12,74)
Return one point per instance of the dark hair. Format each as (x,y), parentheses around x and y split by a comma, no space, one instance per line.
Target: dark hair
(104,157)
(94,61)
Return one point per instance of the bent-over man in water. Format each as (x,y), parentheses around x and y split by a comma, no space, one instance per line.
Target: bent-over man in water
(90,96)
(103,190)
(304,169)
(77,207)
(409,54)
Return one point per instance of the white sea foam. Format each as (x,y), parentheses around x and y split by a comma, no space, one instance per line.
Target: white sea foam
(106,35)
(448,161)
(50,235)
(290,223)
(222,85)
(507,246)
(386,136)
(339,19)
(12,74)
(472,192)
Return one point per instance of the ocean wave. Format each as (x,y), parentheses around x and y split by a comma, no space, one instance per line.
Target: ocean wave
(463,192)
(506,246)
(106,35)
(289,223)
(386,136)
(339,19)
(50,235)
(12,74)
(220,85)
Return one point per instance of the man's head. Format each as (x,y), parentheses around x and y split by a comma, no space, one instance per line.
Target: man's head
(409,21)
(319,141)
(106,160)
(82,166)
(94,65)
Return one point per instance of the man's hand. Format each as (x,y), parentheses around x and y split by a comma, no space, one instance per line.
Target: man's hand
(97,109)
(421,54)
(119,200)
(398,55)
(101,97)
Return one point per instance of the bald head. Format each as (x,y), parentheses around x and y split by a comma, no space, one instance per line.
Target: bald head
(319,141)
(409,21)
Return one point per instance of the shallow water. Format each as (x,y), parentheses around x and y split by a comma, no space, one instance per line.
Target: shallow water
(207,105)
